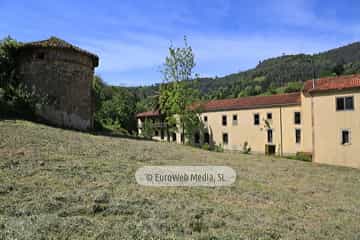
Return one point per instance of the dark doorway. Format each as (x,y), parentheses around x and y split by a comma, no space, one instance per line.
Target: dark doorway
(206,138)
(174,137)
(270,135)
(197,138)
(270,149)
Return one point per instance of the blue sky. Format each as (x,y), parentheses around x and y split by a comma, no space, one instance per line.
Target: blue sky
(132,36)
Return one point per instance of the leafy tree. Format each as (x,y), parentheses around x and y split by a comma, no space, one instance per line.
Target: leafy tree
(177,91)
(293,87)
(98,90)
(148,129)
(8,49)
(16,98)
(115,107)
(192,124)
(339,69)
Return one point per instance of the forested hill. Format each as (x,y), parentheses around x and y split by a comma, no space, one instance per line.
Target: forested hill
(276,75)
(284,73)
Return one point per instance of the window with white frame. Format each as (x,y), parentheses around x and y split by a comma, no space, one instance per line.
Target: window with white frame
(345,103)
(235,119)
(345,136)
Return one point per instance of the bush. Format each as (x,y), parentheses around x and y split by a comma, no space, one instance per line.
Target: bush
(206,147)
(116,129)
(218,148)
(301,156)
(148,129)
(21,101)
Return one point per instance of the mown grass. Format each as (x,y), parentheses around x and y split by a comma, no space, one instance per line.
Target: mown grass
(61,184)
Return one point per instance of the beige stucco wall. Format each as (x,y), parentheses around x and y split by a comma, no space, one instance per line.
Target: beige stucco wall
(320,126)
(255,135)
(307,122)
(328,124)
(290,146)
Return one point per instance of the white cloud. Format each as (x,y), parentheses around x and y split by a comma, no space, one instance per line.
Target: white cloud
(232,53)
(216,52)
(124,56)
(302,13)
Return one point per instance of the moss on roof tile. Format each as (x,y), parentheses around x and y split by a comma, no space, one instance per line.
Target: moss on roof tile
(54,42)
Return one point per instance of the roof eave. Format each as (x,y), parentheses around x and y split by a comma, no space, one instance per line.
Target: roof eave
(314,91)
(252,107)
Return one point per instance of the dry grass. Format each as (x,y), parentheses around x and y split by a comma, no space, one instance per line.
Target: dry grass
(60,184)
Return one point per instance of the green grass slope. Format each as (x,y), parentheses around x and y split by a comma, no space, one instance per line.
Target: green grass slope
(60,184)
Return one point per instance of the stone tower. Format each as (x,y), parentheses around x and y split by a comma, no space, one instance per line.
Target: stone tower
(65,74)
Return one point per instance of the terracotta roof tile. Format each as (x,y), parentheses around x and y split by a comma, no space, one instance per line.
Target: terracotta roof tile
(241,103)
(252,102)
(54,42)
(333,83)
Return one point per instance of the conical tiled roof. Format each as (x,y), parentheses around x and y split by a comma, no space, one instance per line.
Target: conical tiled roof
(54,42)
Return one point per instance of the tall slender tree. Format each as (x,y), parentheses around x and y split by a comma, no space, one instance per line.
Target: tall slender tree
(177,92)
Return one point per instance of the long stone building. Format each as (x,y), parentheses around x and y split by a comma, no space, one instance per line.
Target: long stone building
(322,120)
(64,73)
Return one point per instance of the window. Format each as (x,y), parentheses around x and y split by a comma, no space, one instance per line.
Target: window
(256,119)
(224,120)
(205,119)
(349,103)
(269,116)
(297,118)
(270,135)
(298,135)
(235,119)
(225,138)
(345,137)
(344,103)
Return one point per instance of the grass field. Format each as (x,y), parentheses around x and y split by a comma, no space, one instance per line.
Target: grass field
(61,184)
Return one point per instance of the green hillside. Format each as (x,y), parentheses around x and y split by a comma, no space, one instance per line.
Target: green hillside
(276,75)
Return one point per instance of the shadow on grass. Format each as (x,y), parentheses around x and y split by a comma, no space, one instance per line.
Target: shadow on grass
(110,133)
(97,132)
